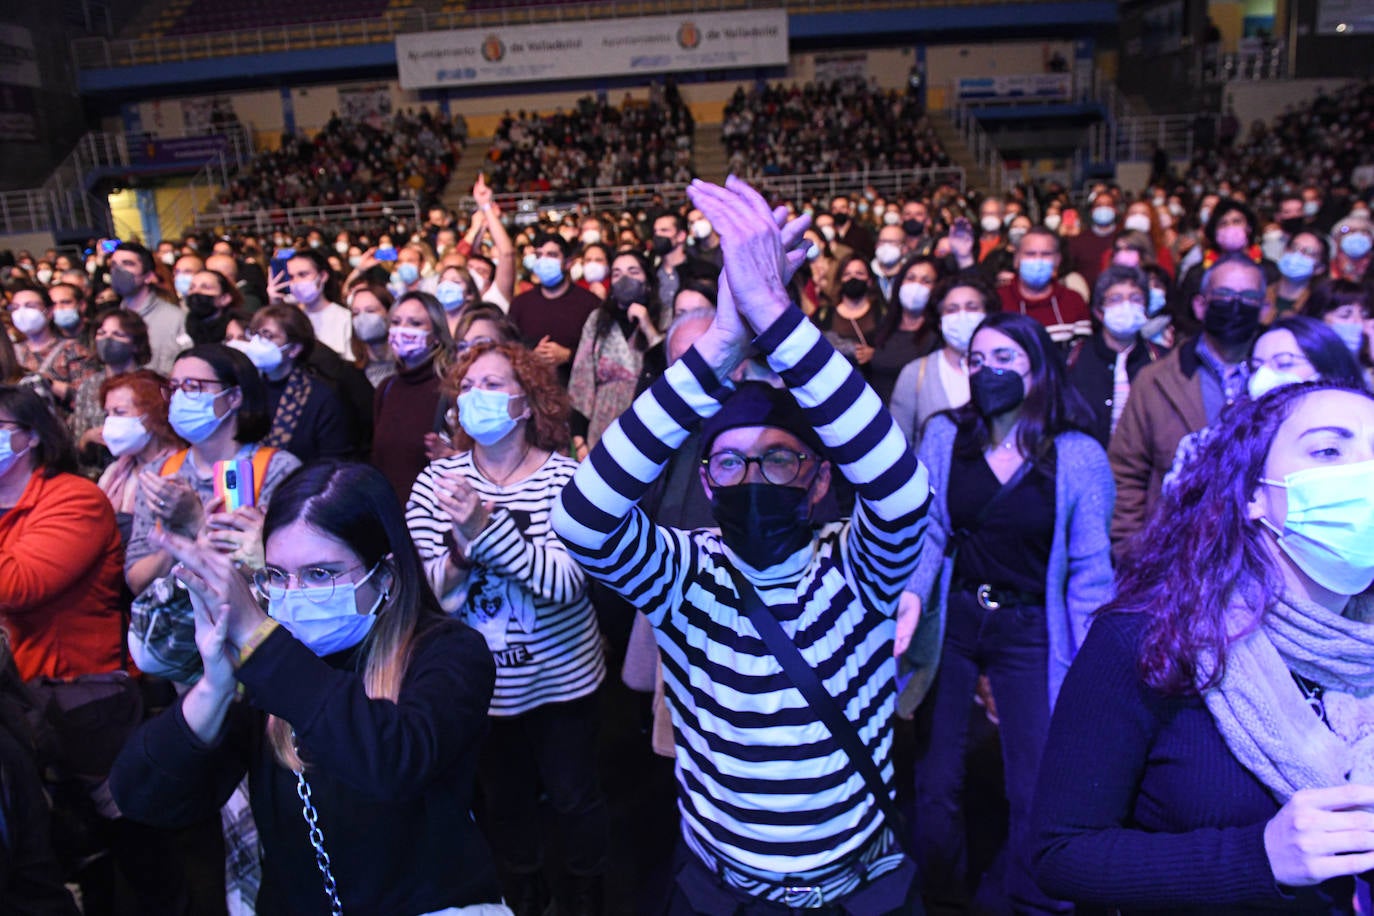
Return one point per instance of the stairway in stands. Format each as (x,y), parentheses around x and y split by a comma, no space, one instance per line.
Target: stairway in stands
(975,176)
(465,175)
(708,153)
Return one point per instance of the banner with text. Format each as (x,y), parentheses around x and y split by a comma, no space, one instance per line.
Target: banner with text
(1040,87)
(572,50)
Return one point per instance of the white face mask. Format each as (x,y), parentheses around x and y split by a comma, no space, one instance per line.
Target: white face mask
(125,435)
(991,224)
(913,296)
(1123,320)
(594,271)
(1137,222)
(958,329)
(888,254)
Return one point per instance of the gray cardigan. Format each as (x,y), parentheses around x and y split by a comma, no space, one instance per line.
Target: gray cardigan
(1080,569)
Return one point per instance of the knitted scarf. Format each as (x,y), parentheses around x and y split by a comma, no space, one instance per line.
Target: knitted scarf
(1263,715)
(289,409)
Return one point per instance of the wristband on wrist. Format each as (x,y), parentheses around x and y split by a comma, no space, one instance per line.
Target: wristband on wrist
(256,638)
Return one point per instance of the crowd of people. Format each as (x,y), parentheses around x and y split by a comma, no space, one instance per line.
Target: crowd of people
(408,155)
(822,127)
(1323,140)
(319,543)
(596,144)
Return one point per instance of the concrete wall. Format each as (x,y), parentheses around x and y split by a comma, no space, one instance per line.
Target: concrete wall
(1262,101)
(34,242)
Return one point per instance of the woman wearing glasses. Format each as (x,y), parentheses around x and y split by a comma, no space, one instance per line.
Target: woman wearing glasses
(481,522)
(363,709)
(1018,559)
(219,406)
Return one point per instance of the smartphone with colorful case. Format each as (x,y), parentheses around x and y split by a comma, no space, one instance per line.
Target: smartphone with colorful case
(234,483)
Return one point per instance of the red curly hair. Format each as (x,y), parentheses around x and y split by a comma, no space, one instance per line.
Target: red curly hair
(548,401)
(150,398)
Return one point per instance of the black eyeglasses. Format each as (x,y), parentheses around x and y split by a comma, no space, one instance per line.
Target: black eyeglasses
(728,467)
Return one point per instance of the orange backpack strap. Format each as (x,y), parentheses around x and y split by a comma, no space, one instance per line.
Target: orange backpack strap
(261,459)
(173,463)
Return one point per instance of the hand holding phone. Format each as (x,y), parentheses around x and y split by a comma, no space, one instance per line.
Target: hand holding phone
(233,479)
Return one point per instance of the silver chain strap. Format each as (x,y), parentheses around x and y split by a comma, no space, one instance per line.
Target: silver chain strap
(312,821)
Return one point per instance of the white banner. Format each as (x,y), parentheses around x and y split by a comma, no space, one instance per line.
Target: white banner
(571,50)
(1032,87)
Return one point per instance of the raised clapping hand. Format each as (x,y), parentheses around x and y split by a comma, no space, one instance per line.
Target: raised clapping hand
(464,508)
(226,611)
(1321,834)
(762,252)
(171,501)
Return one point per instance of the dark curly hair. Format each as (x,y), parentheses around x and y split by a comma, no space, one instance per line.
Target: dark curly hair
(1199,554)
(548,400)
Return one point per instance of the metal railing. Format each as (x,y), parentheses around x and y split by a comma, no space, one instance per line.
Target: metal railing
(98,53)
(980,146)
(795,187)
(341,215)
(888,183)
(64,200)
(1133,139)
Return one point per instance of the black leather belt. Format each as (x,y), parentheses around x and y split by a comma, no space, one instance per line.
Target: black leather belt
(992,598)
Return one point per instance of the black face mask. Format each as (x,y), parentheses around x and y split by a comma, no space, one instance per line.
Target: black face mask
(995,391)
(763,523)
(1231,320)
(1291,226)
(841,219)
(113,352)
(913,227)
(626,291)
(200,305)
(854,288)
(123,282)
(662,245)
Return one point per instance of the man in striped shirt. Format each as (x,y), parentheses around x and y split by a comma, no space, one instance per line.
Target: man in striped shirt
(775,815)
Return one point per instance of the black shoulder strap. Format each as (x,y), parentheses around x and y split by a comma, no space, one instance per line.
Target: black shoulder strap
(804,678)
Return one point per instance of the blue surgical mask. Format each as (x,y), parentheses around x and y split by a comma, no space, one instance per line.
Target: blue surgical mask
(1297,266)
(1157,301)
(485,415)
(66,319)
(548,270)
(8,456)
(528,261)
(1036,272)
(1103,216)
(193,415)
(182,284)
(407,273)
(265,356)
(331,624)
(1351,333)
(1356,245)
(451,295)
(1328,531)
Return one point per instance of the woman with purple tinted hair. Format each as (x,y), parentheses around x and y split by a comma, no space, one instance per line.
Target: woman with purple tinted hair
(1213,745)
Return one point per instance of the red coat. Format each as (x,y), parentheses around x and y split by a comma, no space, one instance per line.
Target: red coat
(61,572)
